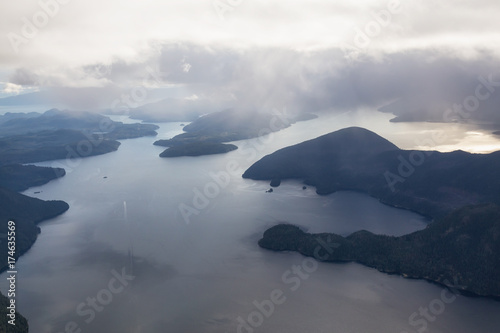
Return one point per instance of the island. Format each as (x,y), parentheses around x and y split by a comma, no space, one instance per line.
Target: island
(460,250)
(131,131)
(427,182)
(198,149)
(227,126)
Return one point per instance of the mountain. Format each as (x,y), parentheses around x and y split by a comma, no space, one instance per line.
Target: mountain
(230,125)
(17,177)
(51,120)
(428,182)
(173,109)
(223,126)
(11,115)
(460,250)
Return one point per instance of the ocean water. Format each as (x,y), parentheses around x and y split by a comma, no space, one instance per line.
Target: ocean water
(170,245)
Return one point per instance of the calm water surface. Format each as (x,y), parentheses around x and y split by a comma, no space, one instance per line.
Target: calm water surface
(200,273)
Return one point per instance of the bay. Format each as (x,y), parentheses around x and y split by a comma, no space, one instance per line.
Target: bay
(201,271)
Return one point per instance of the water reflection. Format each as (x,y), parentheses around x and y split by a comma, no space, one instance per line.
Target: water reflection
(202,276)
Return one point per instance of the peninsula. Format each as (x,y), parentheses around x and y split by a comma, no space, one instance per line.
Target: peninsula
(460,250)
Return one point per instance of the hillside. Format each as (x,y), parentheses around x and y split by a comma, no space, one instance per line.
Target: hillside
(26,212)
(18,177)
(54,119)
(173,109)
(231,125)
(51,145)
(428,182)
(462,248)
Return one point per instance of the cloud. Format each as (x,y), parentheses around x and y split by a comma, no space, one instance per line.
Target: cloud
(24,77)
(272,77)
(299,54)
(11,88)
(78,33)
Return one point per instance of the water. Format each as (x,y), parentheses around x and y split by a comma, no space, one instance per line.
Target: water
(200,273)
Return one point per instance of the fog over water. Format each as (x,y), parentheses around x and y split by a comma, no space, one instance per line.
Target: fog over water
(202,273)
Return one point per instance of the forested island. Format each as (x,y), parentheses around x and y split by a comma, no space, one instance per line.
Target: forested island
(198,149)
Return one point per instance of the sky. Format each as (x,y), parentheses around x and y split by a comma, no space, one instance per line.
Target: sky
(299,51)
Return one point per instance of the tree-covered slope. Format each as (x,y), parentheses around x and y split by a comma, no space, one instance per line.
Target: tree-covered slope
(462,248)
(26,212)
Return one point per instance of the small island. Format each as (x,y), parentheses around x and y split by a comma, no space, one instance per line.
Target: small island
(198,149)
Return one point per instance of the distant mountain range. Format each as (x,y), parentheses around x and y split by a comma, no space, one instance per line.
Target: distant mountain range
(58,134)
(174,109)
(54,119)
(51,145)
